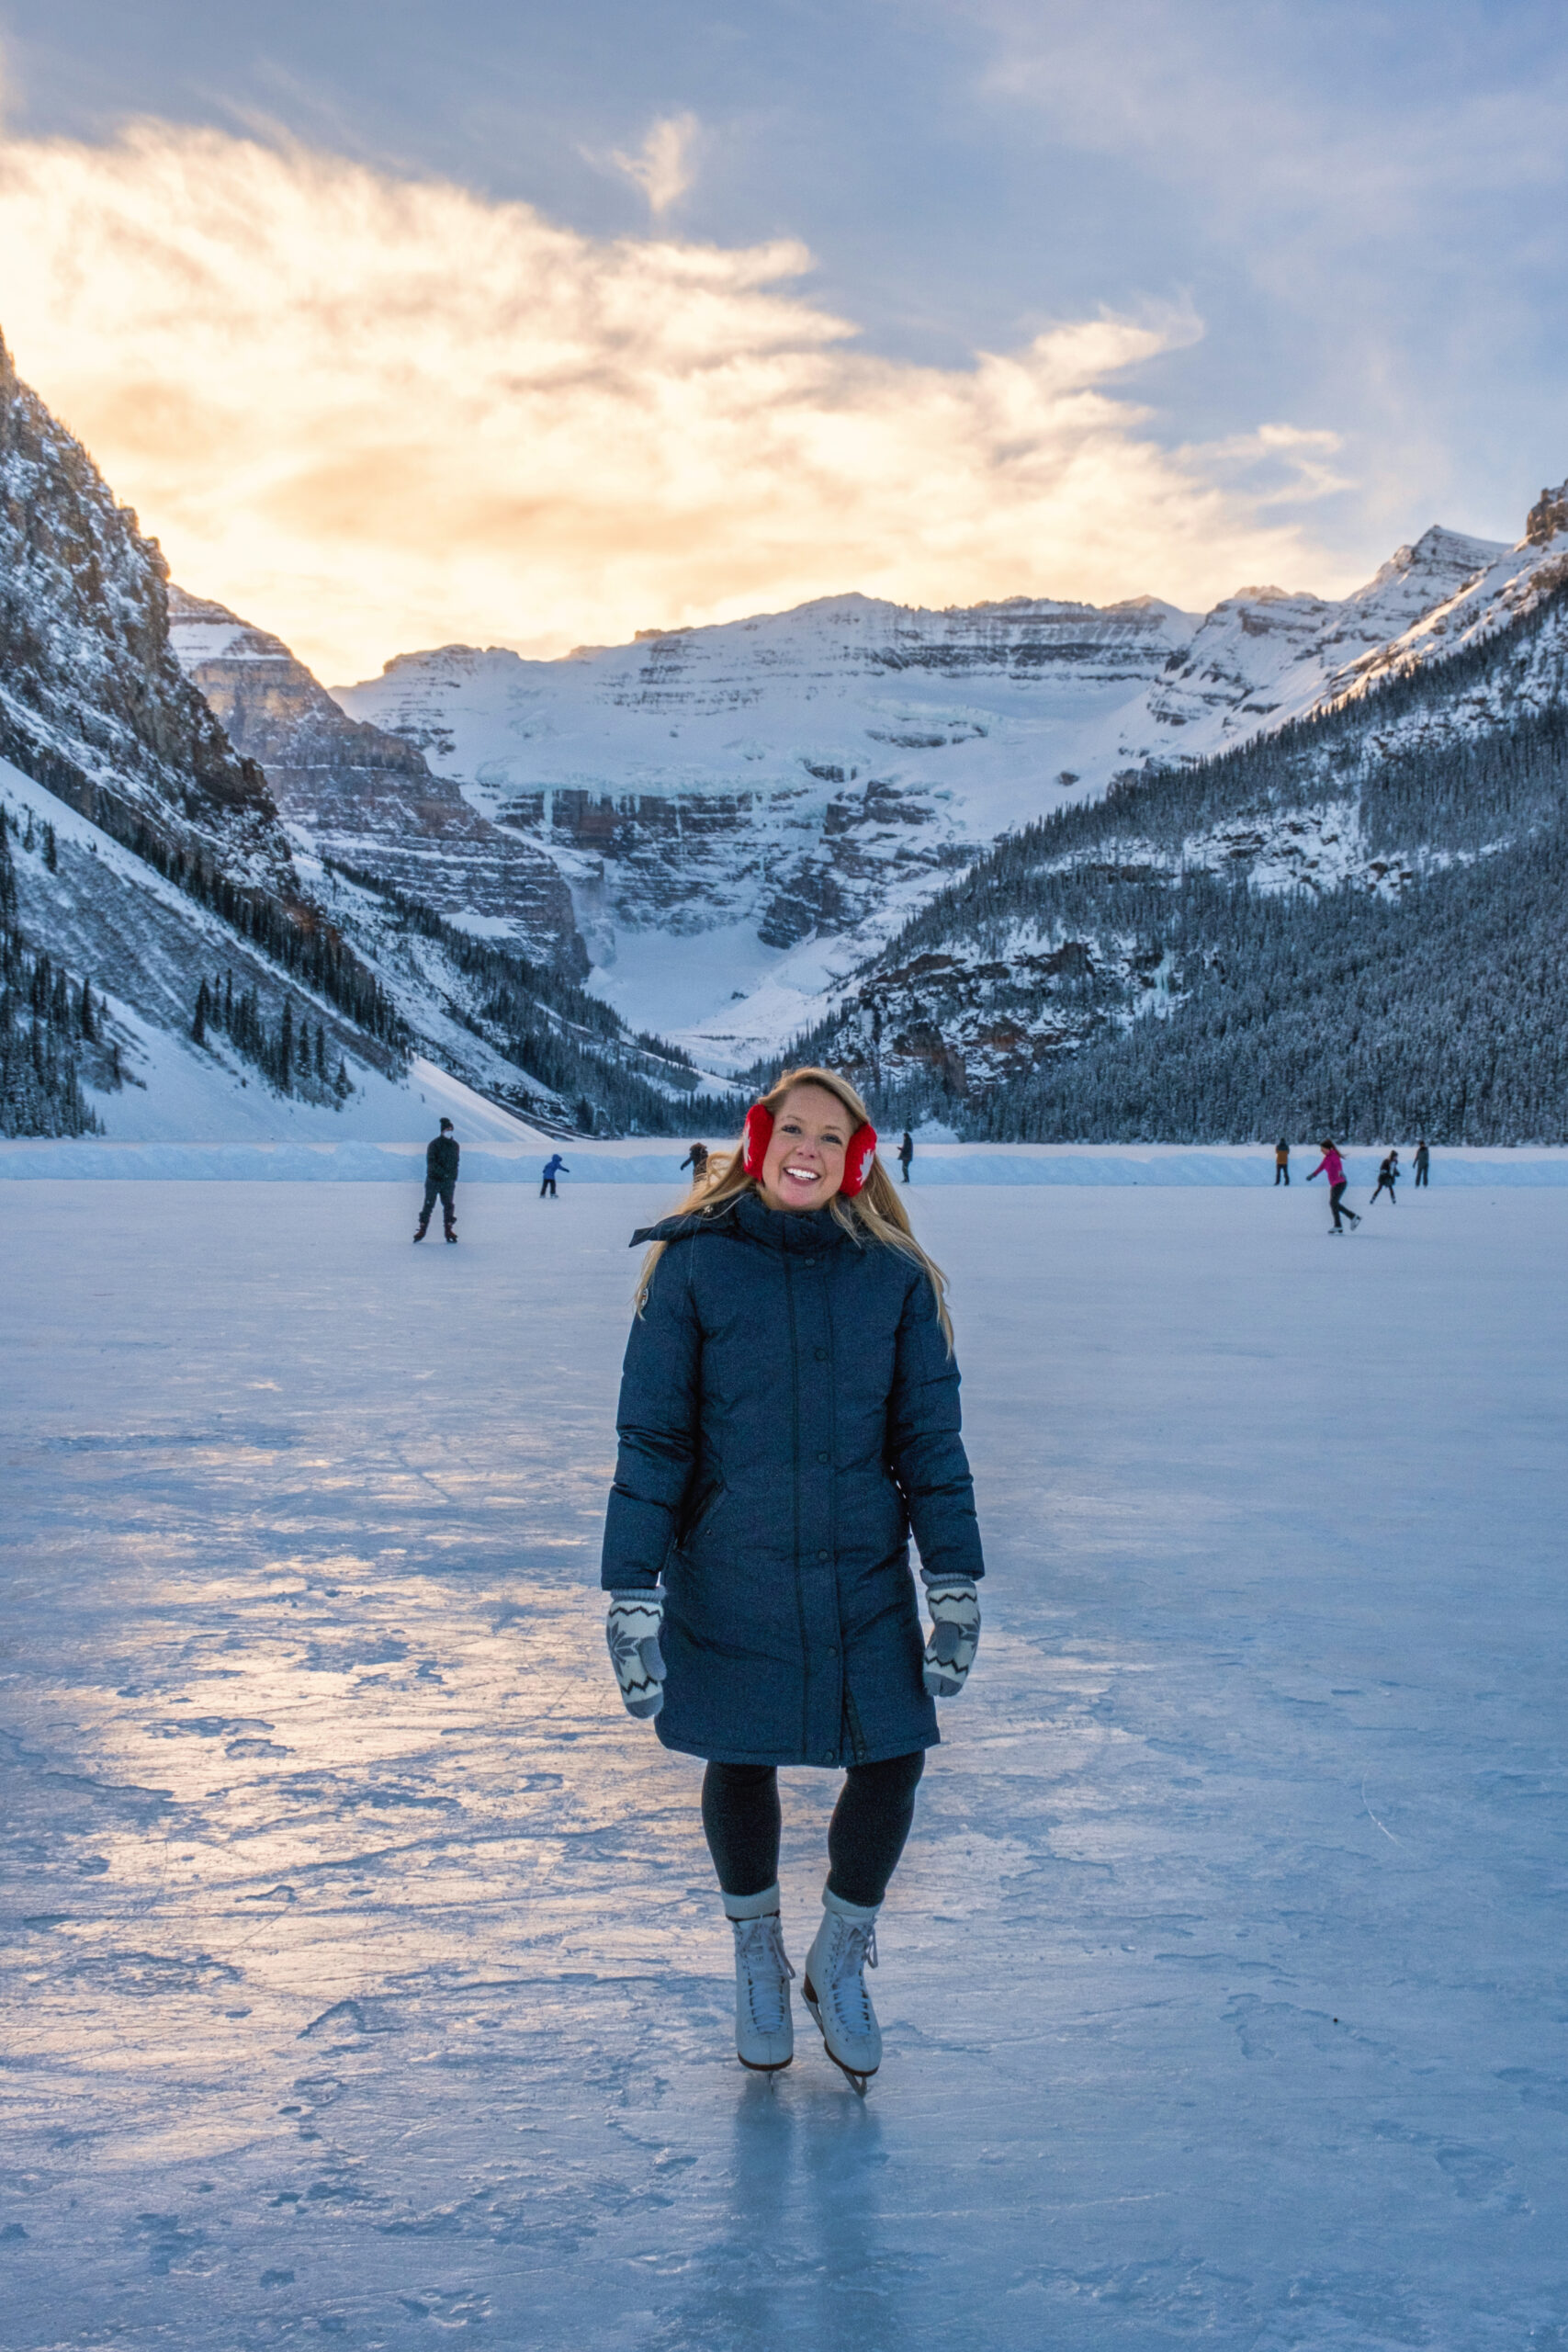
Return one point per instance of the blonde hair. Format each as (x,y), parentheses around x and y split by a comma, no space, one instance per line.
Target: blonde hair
(874,1214)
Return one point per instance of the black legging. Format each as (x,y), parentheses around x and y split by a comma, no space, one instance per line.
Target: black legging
(742,1822)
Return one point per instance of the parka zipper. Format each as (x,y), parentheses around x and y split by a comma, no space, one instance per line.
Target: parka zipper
(795,1497)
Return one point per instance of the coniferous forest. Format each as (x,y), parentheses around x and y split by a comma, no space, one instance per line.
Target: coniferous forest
(1119,971)
(48,1020)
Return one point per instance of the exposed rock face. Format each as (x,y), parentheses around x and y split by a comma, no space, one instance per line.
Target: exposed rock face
(367,798)
(93,702)
(1261,656)
(1547,516)
(159,859)
(793,775)
(802,781)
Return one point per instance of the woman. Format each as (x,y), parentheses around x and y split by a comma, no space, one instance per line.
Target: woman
(788,1413)
(1333,1167)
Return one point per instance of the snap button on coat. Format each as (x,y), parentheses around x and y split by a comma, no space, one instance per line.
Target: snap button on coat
(775,1502)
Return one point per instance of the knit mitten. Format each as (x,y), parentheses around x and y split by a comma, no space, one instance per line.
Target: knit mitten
(632,1630)
(956,1633)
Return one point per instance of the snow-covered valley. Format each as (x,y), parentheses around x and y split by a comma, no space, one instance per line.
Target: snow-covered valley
(361,1968)
(746,814)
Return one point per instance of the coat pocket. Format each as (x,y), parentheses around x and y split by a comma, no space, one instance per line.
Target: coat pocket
(706,1501)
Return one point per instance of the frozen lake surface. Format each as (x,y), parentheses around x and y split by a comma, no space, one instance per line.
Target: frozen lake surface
(361,1972)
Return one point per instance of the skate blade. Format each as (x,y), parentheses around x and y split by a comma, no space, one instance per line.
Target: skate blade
(851,2074)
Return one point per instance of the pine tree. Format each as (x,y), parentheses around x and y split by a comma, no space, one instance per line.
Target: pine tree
(203,1010)
(89,1022)
(50,850)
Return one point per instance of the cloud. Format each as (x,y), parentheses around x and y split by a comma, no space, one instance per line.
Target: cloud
(664,165)
(374,413)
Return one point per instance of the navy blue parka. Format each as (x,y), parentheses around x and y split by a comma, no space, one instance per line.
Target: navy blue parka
(788,1413)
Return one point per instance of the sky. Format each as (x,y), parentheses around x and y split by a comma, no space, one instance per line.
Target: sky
(403,325)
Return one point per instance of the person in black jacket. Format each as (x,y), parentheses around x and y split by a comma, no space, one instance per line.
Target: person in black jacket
(441,1155)
(788,1416)
(1388,1177)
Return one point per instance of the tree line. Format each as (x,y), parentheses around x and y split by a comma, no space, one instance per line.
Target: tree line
(558,1036)
(292,1057)
(46,1019)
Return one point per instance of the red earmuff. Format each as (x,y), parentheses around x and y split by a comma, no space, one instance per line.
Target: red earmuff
(858,1159)
(755,1137)
(758,1133)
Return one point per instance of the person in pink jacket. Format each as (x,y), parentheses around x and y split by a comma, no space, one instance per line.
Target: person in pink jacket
(1333,1167)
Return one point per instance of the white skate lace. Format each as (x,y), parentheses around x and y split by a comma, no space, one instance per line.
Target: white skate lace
(856,1952)
(759,1946)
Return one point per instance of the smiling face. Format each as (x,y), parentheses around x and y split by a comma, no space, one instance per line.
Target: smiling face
(805,1162)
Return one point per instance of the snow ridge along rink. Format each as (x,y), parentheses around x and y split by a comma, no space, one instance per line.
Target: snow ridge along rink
(361,1972)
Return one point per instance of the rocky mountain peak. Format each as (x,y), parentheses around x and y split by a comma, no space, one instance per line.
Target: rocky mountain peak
(93,703)
(1547,516)
(366,797)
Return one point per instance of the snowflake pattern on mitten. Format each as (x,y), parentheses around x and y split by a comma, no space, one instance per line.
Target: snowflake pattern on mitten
(632,1630)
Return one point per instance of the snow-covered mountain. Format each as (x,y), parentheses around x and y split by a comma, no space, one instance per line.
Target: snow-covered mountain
(177,961)
(368,799)
(1355,925)
(746,814)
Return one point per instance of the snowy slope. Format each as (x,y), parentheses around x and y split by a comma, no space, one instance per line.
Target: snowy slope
(91,698)
(746,813)
(145,946)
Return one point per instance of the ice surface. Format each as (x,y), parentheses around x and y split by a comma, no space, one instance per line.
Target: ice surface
(361,1972)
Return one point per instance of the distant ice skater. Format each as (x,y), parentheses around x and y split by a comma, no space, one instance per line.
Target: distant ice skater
(1388,1177)
(1422,1163)
(1282,1162)
(906,1153)
(555,1166)
(441,1157)
(1333,1167)
(696,1160)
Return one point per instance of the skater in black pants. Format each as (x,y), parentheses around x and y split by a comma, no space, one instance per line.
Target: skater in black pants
(441,1156)
(1282,1162)
(1388,1177)
(788,1417)
(906,1153)
(555,1166)
(1423,1162)
(1333,1167)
